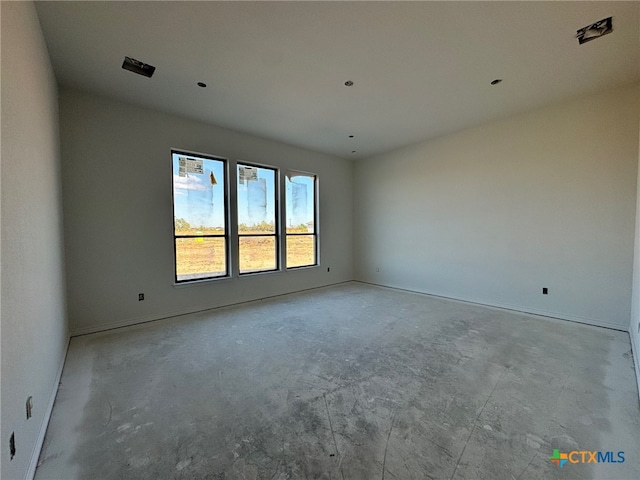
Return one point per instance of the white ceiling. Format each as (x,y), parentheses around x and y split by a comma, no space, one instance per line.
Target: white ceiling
(277,70)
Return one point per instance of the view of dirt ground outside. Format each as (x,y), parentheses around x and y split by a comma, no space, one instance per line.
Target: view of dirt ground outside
(204,257)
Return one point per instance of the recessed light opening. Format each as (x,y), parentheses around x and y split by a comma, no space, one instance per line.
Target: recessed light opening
(201,84)
(348,83)
(496,81)
(350,136)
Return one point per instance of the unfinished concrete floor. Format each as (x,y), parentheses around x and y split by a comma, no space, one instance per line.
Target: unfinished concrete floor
(346,382)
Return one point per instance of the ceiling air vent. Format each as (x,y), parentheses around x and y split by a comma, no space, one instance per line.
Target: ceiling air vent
(597,30)
(136,66)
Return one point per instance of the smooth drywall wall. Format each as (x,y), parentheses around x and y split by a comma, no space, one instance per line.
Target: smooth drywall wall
(634,326)
(34,330)
(118,213)
(495,213)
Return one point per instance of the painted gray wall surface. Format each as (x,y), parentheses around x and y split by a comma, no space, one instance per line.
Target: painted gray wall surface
(34,329)
(118,213)
(494,213)
(634,326)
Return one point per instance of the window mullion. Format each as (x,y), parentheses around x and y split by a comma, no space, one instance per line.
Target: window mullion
(282,224)
(234,242)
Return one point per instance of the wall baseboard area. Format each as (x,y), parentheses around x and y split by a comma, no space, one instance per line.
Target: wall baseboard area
(37,448)
(514,308)
(165,315)
(635,350)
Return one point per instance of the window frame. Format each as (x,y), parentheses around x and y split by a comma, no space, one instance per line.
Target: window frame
(227,232)
(231,233)
(288,173)
(277,214)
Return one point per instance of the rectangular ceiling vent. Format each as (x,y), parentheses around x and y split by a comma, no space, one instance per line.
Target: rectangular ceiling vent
(597,30)
(136,66)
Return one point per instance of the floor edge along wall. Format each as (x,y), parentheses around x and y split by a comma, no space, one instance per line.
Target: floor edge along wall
(163,316)
(513,308)
(635,351)
(37,448)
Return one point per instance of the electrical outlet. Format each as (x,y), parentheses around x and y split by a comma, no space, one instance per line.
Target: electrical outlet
(12,446)
(545,291)
(140,297)
(328,269)
(29,407)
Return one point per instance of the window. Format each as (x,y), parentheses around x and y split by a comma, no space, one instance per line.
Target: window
(257,225)
(301,220)
(206,232)
(199,216)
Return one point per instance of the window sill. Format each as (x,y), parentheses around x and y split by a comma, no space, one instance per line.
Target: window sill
(263,272)
(193,283)
(305,267)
